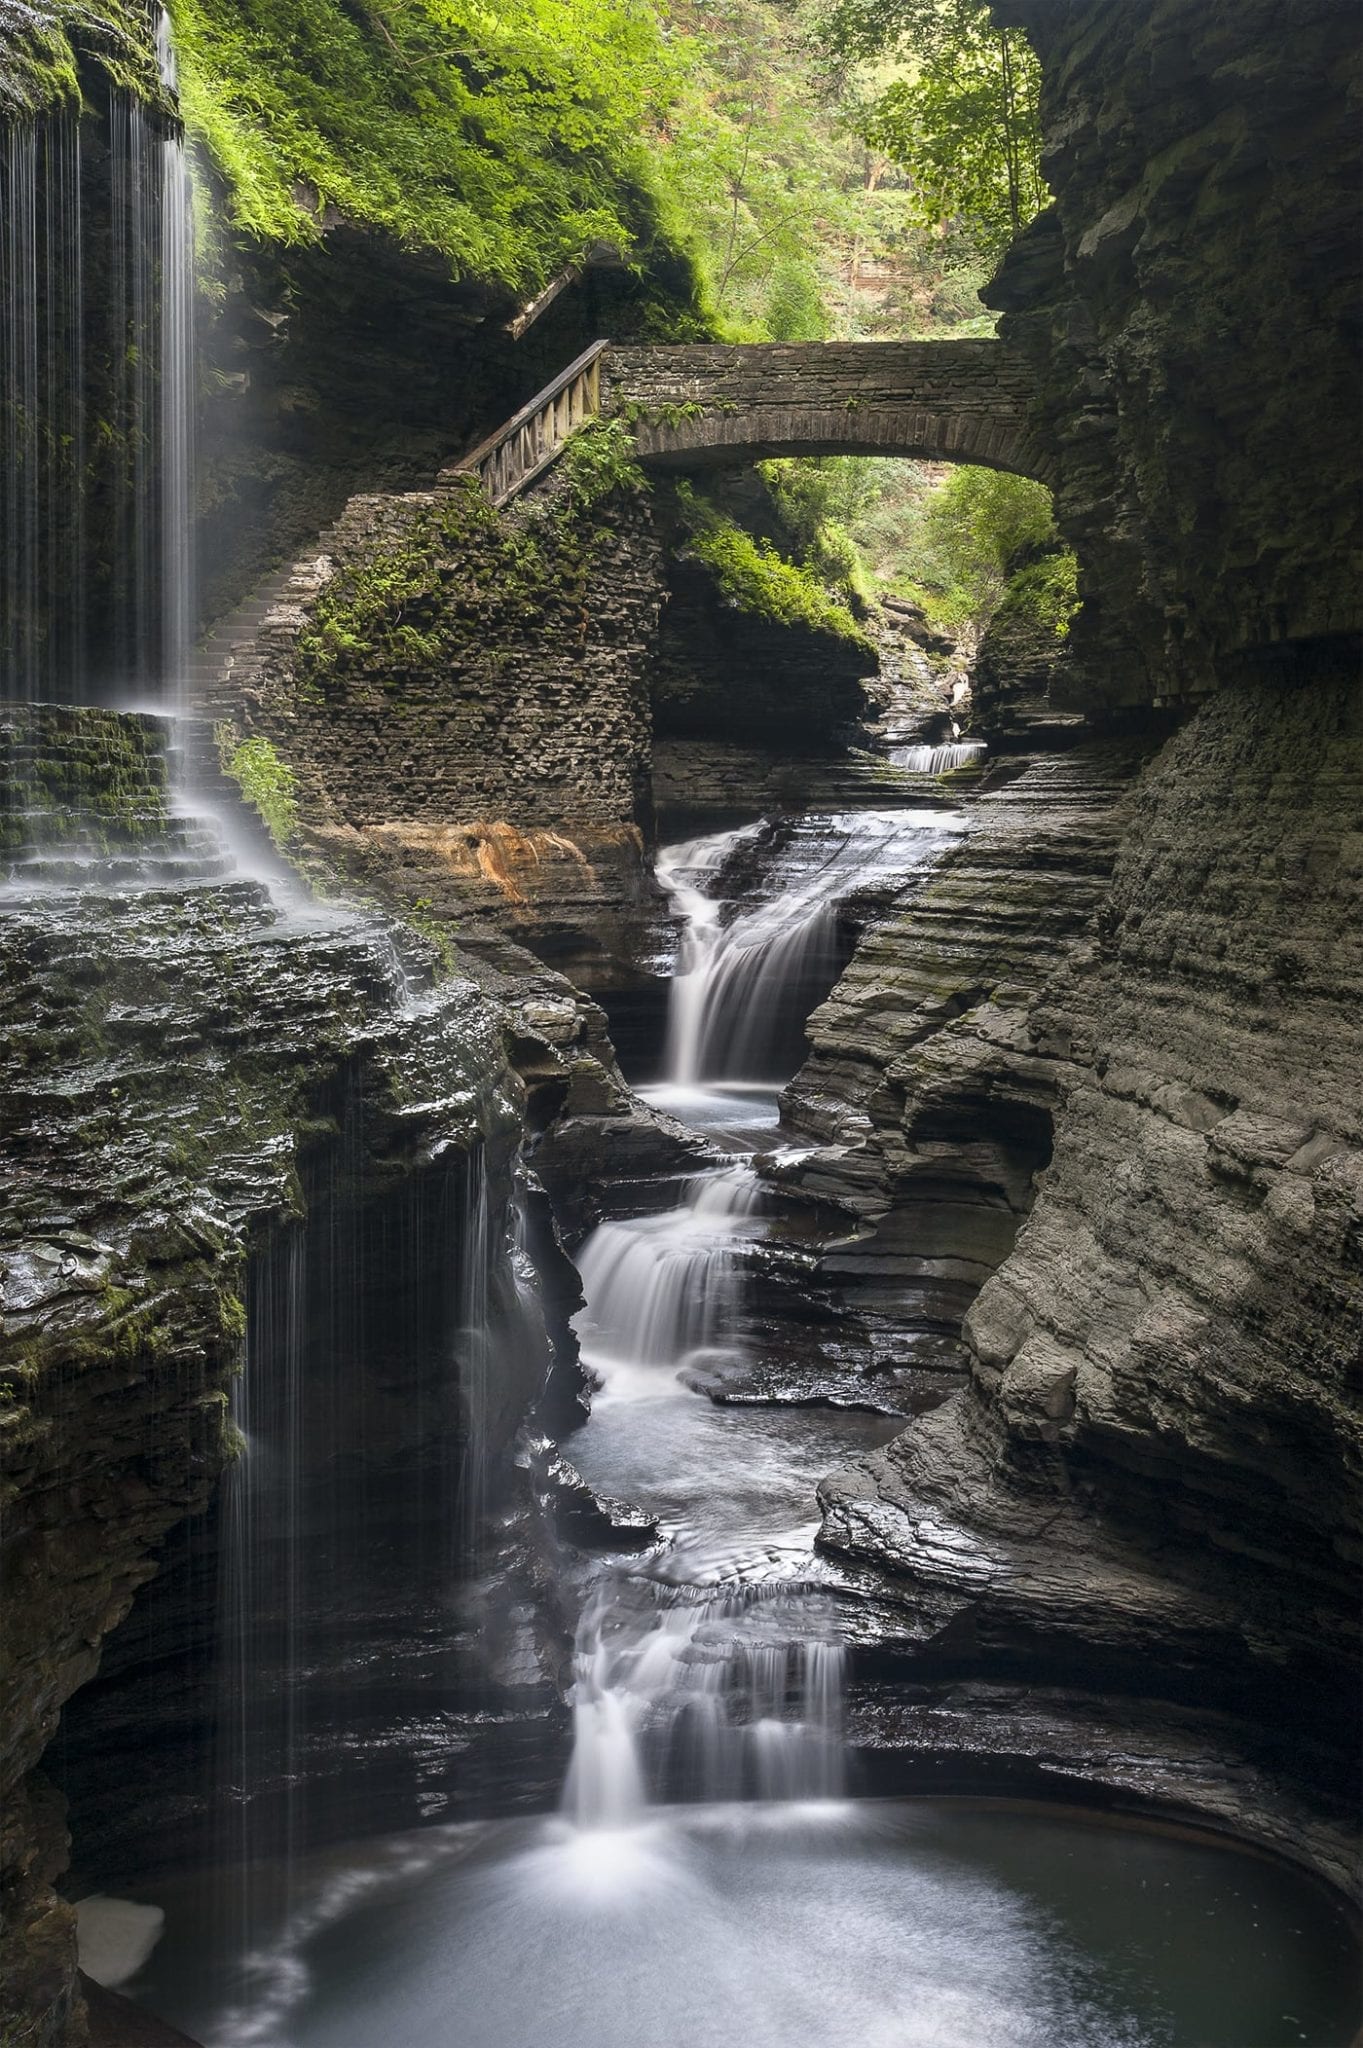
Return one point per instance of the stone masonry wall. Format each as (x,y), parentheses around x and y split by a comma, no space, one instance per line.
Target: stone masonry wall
(945,401)
(466,700)
(432,662)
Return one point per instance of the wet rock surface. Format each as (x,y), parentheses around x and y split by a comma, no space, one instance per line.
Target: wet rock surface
(1031,1741)
(937,1063)
(1151,1478)
(586,1517)
(181,1056)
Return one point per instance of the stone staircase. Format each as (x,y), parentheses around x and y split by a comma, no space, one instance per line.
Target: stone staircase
(233,653)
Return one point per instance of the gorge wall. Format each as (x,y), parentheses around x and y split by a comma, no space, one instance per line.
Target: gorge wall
(1190,309)
(1098,1077)
(1150,1486)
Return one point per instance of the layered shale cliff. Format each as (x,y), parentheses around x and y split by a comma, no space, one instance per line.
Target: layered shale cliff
(188,1066)
(1147,1066)
(937,1065)
(1190,308)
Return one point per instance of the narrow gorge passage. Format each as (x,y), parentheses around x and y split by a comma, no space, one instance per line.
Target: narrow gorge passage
(709,1860)
(681,1017)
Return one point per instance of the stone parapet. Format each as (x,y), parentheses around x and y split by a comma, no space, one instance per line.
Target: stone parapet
(937,401)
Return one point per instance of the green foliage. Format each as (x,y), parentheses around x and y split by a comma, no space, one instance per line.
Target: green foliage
(388,611)
(962,119)
(982,538)
(979,520)
(265,781)
(751,171)
(821,500)
(42,38)
(509,138)
(1046,590)
(755,578)
(600,458)
(384,603)
(437,933)
(795,309)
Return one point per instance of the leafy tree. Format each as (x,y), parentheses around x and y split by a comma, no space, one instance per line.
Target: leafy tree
(963,121)
(750,169)
(985,537)
(511,138)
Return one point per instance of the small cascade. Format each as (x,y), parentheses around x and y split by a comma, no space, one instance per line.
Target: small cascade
(662,1288)
(715,1673)
(97,395)
(747,979)
(701,1694)
(701,1679)
(939,760)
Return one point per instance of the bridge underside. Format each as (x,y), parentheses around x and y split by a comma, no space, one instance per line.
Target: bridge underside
(725,438)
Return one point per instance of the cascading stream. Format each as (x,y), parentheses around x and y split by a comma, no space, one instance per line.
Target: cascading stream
(939,760)
(747,979)
(715,1674)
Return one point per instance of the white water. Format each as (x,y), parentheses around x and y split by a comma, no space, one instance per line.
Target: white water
(714,1672)
(177,395)
(853,1925)
(42,449)
(130,350)
(698,1678)
(741,978)
(661,1288)
(940,760)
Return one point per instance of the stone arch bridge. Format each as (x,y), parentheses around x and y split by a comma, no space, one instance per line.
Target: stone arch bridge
(707,404)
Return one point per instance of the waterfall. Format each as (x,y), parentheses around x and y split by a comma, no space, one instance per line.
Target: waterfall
(349,1522)
(694,1691)
(939,760)
(715,1673)
(470,1261)
(42,407)
(258,1726)
(707,1695)
(747,980)
(178,590)
(661,1288)
(97,387)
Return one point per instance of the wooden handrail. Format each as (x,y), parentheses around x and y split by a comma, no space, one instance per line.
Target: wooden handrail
(531,439)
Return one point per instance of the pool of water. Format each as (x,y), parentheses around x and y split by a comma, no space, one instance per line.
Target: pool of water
(916,1924)
(743,1115)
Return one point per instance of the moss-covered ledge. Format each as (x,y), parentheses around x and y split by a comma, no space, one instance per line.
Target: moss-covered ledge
(81,777)
(50,45)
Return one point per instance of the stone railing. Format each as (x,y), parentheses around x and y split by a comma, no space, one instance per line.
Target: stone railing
(524,448)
